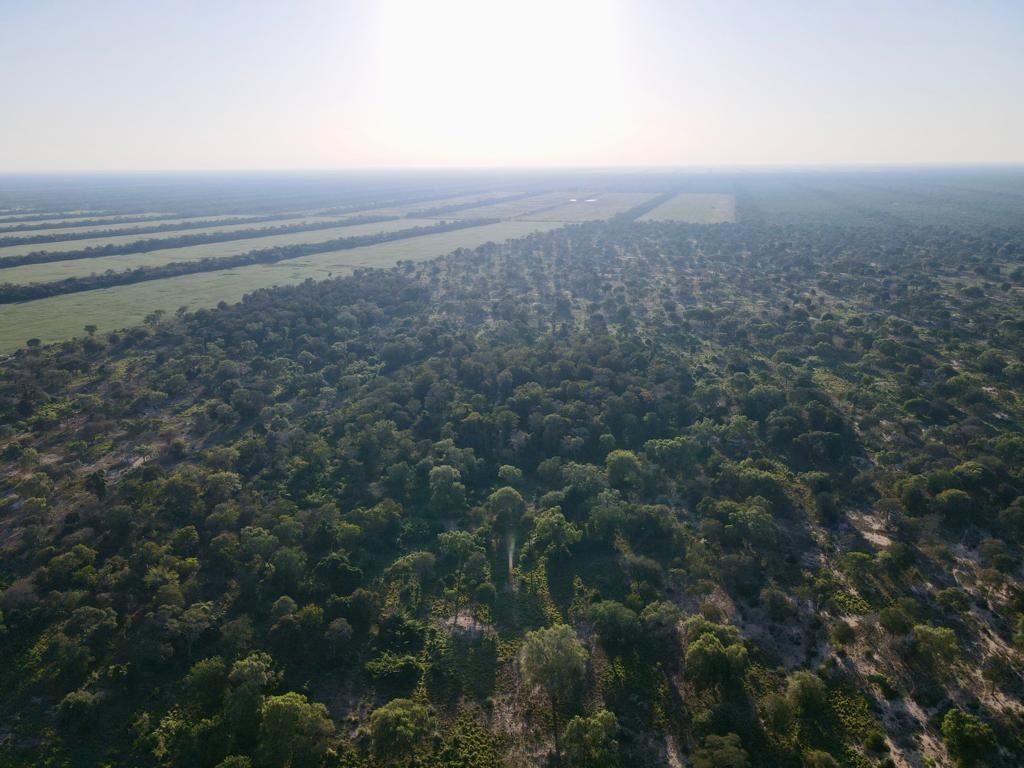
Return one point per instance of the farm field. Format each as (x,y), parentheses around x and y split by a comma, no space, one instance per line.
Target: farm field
(696,208)
(6,231)
(11,216)
(421,207)
(61,270)
(591,207)
(322,265)
(61,317)
(98,242)
(513,208)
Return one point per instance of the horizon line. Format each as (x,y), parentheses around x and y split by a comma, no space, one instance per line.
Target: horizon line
(695,168)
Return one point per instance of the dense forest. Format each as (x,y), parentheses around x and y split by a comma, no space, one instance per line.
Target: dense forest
(724,496)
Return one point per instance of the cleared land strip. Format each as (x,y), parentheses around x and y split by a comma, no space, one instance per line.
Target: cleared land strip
(72,232)
(131,244)
(12,217)
(511,209)
(10,293)
(63,270)
(696,208)
(114,219)
(63,317)
(591,208)
(323,265)
(411,207)
(444,209)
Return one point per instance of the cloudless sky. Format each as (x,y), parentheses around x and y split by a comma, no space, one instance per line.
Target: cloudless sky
(265,84)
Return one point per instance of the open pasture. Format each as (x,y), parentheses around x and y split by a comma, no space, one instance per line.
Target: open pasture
(98,242)
(61,270)
(513,208)
(63,231)
(696,208)
(25,216)
(321,265)
(419,208)
(62,317)
(590,207)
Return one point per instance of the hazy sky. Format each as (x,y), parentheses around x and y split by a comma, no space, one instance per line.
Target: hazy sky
(151,84)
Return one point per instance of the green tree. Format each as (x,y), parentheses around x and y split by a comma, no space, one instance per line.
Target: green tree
(721,752)
(248,680)
(507,506)
(955,506)
(294,733)
(591,742)
(623,468)
(554,659)
(618,626)
(936,646)
(398,728)
(805,692)
(447,493)
(968,740)
(552,534)
(708,661)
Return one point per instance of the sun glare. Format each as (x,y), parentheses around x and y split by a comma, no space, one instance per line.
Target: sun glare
(475,78)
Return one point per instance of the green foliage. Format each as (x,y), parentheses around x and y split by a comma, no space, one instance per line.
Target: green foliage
(376,486)
(398,728)
(591,742)
(293,732)
(713,654)
(617,625)
(623,468)
(968,740)
(555,660)
(721,752)
(805,693)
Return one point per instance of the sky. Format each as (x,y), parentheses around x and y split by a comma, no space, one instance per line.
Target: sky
(93,85)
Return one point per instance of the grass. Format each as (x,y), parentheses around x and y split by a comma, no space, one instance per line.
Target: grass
(62,317)
(12,214)
(513,208)
(60,270)
(414,249)
(591,207)
(97,242)
(431,203)
(695,208)
(6,231)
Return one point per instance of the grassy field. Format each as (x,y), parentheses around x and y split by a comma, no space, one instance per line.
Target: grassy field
(695,208)
(62,317)
(513,208)
(427,205)
(591,207)
(136,224)
(11,215)
(60,270)
(97,242)
(415,249)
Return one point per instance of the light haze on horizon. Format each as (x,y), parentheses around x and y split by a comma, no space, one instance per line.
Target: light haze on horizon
(260,85)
